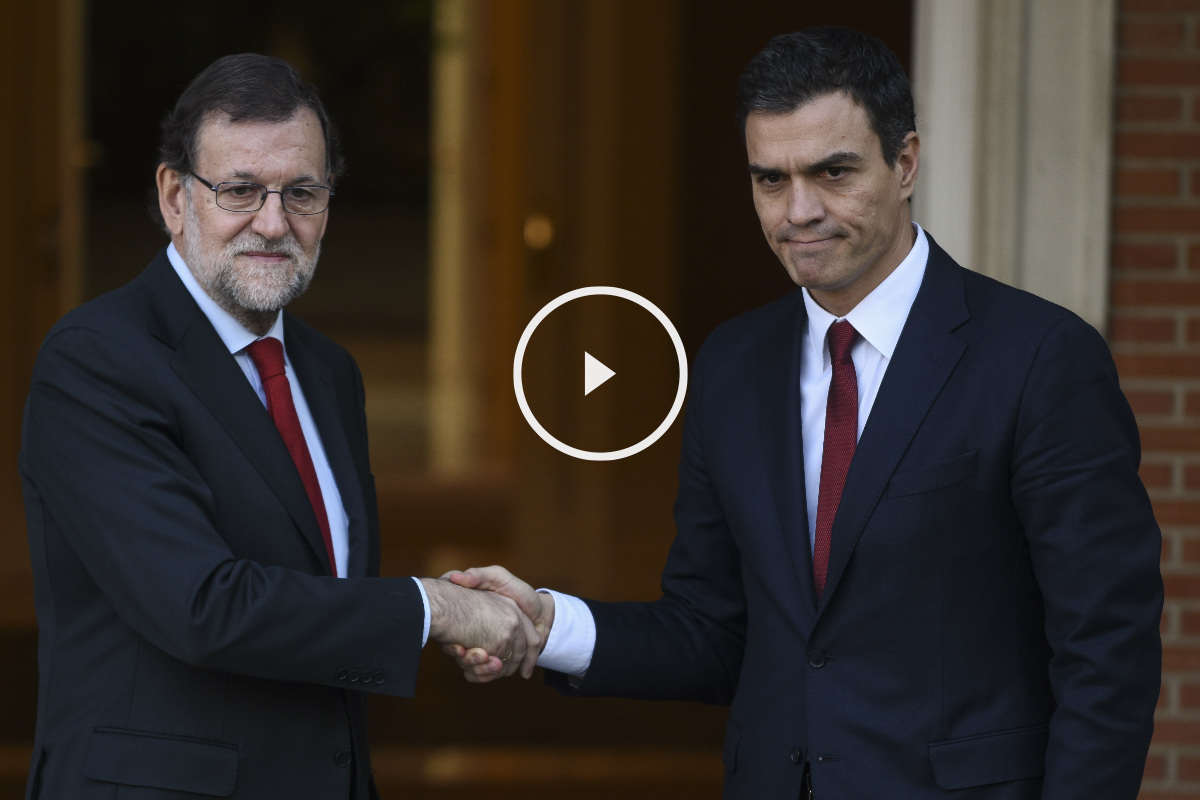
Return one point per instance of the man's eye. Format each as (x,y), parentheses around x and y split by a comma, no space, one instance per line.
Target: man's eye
(239,191)
(835,172)
(770,178)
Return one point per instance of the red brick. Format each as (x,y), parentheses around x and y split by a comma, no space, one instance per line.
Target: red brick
(1146,401)
(1156,476)
(1137,329)
(1152,6)
(1189,553)
(1170,440)
(1158,71)
(1176,731)
(1146,256)
(1191,476)
(1129,292)
(1158,145)
(1179,512)
(1189,696)
(1150,108)
(1157,34)
(1187,768)
(1156,768)
(1195,188)
(1163,219)
(1193,258)
(1181,585)
(1147,182)
(1193,330)
(1157,365)
(1189,623)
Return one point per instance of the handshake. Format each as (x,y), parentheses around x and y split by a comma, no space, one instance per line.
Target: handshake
(489,621)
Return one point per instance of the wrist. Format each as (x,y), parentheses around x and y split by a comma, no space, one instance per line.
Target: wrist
(545,620)
(441,606)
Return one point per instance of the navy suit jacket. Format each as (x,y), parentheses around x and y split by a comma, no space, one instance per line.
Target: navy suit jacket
(990,623)
(191,639)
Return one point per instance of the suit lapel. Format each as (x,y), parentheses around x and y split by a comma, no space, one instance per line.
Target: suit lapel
(925,356)
(321,396)
(203,363)
(783,448)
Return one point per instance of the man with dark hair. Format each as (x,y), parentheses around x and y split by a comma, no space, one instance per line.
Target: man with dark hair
(913,551)
(201,511)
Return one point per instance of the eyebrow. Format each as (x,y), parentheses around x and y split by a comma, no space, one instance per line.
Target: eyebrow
(243,175)
(839,159)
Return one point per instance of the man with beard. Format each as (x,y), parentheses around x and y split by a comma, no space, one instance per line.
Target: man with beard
(201,511)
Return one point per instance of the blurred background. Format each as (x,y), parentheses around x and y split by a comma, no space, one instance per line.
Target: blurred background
(502,152)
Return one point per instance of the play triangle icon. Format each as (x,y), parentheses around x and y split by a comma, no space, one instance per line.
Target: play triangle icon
(594,373)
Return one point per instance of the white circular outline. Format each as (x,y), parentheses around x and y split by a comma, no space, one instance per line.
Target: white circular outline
(602,455)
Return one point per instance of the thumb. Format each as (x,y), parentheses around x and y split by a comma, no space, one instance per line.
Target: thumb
(465,579)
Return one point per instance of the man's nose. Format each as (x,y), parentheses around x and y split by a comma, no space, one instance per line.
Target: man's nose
(271,221)
(805,205)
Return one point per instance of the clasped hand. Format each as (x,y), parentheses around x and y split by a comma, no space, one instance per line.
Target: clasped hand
(490,622)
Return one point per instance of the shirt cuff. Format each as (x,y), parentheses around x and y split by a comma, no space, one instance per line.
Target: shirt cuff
(572,640)
(425,600)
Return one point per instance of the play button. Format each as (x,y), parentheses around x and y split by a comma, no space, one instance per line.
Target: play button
(594,373)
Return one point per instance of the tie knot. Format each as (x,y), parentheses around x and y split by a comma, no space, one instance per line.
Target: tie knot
(267,355)
(841,338)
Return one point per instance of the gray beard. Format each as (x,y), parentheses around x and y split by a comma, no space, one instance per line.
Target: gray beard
(253,293)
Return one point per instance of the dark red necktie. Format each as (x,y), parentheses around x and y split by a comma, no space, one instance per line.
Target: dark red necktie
(267,355)
(841,436)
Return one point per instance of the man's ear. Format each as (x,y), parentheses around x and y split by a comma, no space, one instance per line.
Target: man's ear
(907,163)
(172,199)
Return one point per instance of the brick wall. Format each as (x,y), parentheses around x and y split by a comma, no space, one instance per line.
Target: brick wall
(1155,336)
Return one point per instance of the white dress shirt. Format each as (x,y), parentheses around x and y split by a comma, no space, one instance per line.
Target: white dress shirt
(237,338)
(879,318)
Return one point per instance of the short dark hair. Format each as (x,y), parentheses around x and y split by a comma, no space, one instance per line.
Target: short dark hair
(248,88)
(795,68)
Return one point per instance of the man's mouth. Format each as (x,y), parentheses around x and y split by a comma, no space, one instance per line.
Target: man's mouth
(266,255)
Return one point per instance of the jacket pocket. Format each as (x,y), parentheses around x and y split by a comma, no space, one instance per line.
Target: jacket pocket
(161,761)
(990,757)
(937,476)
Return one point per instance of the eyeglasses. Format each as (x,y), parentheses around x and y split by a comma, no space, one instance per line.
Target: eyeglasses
(243,198)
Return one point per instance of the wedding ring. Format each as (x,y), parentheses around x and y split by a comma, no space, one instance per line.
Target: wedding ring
(506,658)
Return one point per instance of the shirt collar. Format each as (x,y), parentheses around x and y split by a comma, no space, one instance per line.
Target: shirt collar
(880,316)
(235,335)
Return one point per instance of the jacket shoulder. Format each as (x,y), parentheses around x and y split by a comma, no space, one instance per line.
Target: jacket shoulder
(745,333)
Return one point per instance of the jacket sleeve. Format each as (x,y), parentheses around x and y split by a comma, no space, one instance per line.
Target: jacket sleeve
(107,472)
(1095,549)
(688,644)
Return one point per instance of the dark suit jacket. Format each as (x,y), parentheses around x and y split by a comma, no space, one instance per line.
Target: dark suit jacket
(192,641)
(990,621)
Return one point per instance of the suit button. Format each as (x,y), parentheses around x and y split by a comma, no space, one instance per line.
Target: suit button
(342,673)
(367,675)
(342,758)
(380,677)
(816,659)
(354,676)
(797,755)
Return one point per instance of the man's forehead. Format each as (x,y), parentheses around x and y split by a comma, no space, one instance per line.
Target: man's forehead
(296,141)
(814,130)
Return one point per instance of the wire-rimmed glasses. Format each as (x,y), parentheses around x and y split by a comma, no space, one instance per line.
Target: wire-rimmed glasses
(242,198)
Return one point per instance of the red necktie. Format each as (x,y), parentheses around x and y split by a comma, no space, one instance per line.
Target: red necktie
(841,436)
(267,355)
